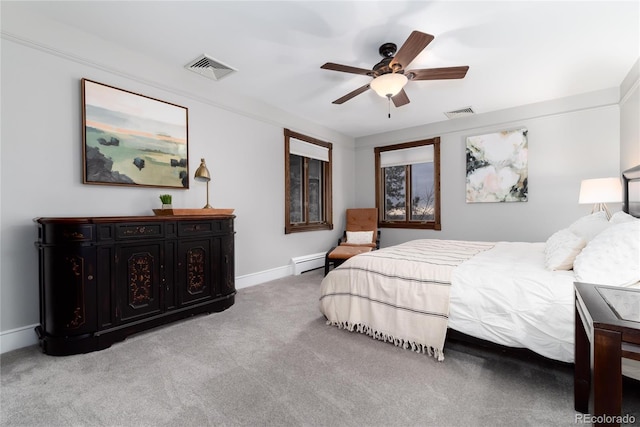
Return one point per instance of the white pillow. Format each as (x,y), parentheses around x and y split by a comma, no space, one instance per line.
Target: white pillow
(612,257)
(359,237)
(561,249)
(620,217)
(589,226)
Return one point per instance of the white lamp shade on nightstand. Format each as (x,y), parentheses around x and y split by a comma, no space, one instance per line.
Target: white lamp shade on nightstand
(600,190)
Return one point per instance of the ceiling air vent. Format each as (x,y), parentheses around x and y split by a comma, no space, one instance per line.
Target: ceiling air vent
(463,112)
(209,67)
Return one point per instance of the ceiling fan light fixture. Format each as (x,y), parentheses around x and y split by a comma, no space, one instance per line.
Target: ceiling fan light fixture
(388,85)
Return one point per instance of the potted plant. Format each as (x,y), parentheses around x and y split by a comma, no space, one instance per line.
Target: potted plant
(166,201)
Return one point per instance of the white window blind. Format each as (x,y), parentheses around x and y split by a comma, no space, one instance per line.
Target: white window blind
(305,149)
(406,156)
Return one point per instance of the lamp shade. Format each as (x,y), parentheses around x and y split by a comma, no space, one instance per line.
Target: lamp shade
(600,190)
(202,173)
(388,85)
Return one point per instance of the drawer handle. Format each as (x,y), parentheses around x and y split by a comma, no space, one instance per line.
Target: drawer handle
(73,235)
(90,277)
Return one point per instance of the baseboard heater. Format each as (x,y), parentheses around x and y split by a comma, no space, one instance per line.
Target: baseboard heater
(307,262)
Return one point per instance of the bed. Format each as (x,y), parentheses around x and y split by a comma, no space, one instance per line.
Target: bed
(515,294)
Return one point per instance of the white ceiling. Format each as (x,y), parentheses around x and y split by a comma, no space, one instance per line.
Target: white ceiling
(518,52)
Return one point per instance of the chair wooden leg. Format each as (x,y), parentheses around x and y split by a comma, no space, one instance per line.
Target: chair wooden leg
(326,263)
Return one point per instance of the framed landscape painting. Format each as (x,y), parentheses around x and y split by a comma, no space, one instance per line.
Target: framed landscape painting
(132,140)
(497,167)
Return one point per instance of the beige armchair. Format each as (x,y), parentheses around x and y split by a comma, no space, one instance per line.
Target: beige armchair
(361,235)
(361,228)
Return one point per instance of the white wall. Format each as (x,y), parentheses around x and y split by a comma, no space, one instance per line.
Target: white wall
(41,160)
(569,140)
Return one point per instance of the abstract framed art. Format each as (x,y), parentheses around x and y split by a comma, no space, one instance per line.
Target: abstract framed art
(497,167)
(132,140)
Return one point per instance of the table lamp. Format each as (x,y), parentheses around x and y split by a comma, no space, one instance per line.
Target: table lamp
(202,174)
(600,191)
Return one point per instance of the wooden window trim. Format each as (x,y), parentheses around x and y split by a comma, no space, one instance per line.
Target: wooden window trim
(327,196)
(407,223)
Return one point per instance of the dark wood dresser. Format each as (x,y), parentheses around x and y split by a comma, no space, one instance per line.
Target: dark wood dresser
(105,278)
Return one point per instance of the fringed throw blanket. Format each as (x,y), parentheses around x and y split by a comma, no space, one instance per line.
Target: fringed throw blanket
(398,294)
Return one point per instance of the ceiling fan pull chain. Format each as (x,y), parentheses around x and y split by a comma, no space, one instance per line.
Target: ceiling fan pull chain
(389,104)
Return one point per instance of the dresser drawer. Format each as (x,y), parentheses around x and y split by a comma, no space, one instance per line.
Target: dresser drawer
(192,228)
(133,231)
(66,233)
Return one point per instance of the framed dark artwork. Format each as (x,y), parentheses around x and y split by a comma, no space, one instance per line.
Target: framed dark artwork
(132,140)
(497,167)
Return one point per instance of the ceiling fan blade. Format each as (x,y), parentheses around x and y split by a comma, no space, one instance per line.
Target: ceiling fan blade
(415,43)
(437,73)
(346,69)
(352,94)
(400,99)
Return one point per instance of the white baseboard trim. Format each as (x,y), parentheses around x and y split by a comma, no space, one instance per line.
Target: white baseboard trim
(18,338)
(263,276)
(26,336)
(307,262)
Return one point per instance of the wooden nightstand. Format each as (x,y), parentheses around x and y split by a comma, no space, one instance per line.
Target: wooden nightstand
(607,328)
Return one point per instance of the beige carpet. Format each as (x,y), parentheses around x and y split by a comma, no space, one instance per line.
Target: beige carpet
(271,360)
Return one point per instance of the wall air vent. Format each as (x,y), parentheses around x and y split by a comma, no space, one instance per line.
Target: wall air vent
(463,112)
(209,67)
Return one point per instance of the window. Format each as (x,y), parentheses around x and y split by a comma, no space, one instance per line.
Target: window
(307,183)
(408,184)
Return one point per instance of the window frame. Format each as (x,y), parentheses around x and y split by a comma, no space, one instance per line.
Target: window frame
(327,196)
(435,224)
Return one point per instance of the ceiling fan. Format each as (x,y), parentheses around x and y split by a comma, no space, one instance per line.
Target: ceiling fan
(390,75)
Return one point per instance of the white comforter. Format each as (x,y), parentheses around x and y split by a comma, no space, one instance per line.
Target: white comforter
(506,296)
